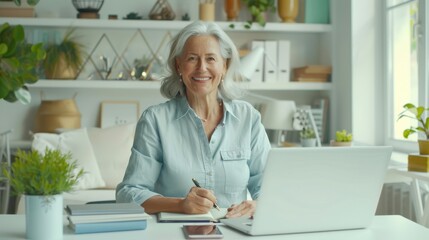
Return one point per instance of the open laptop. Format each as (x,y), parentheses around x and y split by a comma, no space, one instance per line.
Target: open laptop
(317,189)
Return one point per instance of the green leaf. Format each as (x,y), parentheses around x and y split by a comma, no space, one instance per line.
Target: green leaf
(409,105)
(32,2)
(18,33)
(407,132)
(17,2)
(23,95)
(3,49)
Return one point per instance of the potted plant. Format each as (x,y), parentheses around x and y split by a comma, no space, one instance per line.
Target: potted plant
(18,63)
(63,60)
(308,137)
(257,9)
(417,112)
(42,179)
(342,138)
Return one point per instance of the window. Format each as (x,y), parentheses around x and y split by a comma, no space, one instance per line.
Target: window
(405,43)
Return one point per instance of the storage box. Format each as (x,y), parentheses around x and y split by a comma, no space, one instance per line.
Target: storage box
(418,163)
(314,11)
(9,9)
(312,73)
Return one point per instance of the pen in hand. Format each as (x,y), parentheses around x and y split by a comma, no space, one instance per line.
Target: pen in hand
(198,185)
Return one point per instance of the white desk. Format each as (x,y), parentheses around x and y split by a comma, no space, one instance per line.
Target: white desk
(384,227)
(421,209)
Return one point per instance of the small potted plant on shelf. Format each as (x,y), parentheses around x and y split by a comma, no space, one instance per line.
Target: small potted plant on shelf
(18,63)
(417,113)
(258,9)
(42,178)
(342,138)
(308,137)
(63,60)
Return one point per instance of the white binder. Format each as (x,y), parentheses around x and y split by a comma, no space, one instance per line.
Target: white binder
(270,61)
(258,75)
(284,72)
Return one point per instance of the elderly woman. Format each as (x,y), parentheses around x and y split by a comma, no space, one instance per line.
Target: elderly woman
(201,133)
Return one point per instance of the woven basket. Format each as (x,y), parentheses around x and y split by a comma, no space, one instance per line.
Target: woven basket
(55,114)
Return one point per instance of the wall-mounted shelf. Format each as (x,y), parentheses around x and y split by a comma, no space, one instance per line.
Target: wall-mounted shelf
(162,25)
(138,85)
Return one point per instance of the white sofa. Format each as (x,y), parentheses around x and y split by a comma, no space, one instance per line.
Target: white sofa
(103,153)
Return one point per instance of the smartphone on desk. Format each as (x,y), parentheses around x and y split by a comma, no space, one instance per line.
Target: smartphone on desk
(202,231)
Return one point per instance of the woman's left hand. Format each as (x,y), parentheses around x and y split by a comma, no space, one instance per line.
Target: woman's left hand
(245,208)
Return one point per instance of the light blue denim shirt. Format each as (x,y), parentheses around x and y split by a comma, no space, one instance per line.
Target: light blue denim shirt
(170,148)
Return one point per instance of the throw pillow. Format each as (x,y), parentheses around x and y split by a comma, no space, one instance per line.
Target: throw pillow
(77,143)
(112,147)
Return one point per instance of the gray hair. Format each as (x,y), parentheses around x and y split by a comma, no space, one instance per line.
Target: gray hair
(171,86)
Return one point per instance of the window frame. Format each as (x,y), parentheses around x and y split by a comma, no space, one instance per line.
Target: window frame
(423,98)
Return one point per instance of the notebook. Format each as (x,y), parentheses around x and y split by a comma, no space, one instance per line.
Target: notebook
(317,189)
(103,208)
(213,216)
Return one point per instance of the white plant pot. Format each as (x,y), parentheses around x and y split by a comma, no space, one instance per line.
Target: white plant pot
(308,142)
(44,217)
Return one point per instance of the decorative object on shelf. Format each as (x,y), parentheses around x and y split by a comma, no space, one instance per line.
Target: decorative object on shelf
(278,115)
(133,16)
(207,10)
(417,113)
(308,137)
(186,17)
(115,113)
(57,114)
(18,61)
(42,178)
(288,10)
(88,8)
(232,9)
(342,138)
(63,60)
(99,57)
(314,11)
(303,121)
(162,11)
(14,8)
(257,9)
(312,73)
(113,17)
(142,68)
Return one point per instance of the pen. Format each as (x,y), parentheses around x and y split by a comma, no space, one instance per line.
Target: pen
(198,185)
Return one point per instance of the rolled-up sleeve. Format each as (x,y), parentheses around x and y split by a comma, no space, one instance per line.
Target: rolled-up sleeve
(144,165)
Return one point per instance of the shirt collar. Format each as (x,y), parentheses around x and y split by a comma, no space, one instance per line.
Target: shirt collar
(183,108)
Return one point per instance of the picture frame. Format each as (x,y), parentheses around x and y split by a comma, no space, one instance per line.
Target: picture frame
(115,113)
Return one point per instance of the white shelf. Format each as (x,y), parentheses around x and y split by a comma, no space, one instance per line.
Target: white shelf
(162,24)
(138,85)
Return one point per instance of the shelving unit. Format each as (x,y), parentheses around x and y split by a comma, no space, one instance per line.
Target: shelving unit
(312,44)
(163,25)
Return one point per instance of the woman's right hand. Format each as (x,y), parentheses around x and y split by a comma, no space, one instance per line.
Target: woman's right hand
(198,200)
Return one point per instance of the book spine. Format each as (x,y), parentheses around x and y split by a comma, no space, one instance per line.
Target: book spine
(109,226)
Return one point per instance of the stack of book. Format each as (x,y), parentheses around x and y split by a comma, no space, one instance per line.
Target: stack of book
(312,73)
(106,217)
